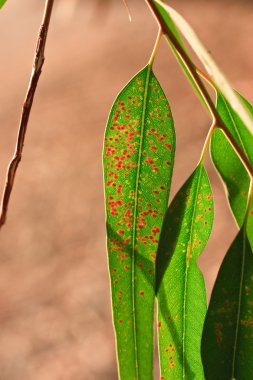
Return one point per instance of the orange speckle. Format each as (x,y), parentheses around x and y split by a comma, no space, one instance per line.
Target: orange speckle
(120,320)
(159,324)
(141,293)
(120,232)
(126,267)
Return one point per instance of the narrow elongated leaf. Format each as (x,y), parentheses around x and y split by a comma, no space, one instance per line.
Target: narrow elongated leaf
(138,161)
(212,68)
(228,163)
(227,342)
(2,2)
(168,21)
(180,285)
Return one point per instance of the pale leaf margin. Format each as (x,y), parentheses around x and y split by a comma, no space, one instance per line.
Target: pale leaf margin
(212,68)
(2,2)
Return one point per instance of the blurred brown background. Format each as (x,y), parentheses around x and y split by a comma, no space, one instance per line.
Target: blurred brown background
(55,318)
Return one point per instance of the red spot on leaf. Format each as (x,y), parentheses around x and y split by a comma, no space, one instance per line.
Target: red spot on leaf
(168,146)
(155,230)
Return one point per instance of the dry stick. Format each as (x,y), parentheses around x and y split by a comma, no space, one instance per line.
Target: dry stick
(193,71)
(36,71)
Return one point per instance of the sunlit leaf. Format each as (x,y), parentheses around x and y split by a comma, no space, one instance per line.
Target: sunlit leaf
(227,343)
(180,285)
(228,163)
(212,68)
(138,162)
(2,2)
(168,21)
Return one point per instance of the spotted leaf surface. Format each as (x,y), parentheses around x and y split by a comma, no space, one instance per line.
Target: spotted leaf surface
(227,162)
(138,160)
(227,343)
(180,285)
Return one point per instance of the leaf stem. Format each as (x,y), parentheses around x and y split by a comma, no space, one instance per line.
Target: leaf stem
(207,141)
(153,54)
(38,62)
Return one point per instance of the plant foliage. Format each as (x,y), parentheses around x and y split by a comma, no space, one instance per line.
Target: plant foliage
(153,250)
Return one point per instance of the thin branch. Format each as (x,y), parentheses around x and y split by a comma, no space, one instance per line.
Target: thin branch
(38,62)
(202,89)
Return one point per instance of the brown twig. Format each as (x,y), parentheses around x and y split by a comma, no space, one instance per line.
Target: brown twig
(201,87)
(36,71)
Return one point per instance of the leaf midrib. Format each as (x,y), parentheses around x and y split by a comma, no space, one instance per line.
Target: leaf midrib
(187,266)
(136,199)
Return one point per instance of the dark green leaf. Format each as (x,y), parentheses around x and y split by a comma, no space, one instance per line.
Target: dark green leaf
(138,163)
(227,342)
(180,285)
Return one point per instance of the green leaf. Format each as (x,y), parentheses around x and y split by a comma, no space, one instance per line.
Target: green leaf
(212,68)
(227,162)
(227,343)
(180,285)
(138,162)
(2,2)
(168,21)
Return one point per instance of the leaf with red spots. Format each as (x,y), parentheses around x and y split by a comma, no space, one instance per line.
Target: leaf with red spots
(227,342)
(180,285)
(227,162)
(138,162)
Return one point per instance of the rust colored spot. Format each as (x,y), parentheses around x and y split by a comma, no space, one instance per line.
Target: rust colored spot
(120,320)
(121,232)
(155,230)
(126,267)
(141,293)
(168,146)
(159,324)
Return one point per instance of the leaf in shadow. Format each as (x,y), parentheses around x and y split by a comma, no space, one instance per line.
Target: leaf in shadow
(227,341)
